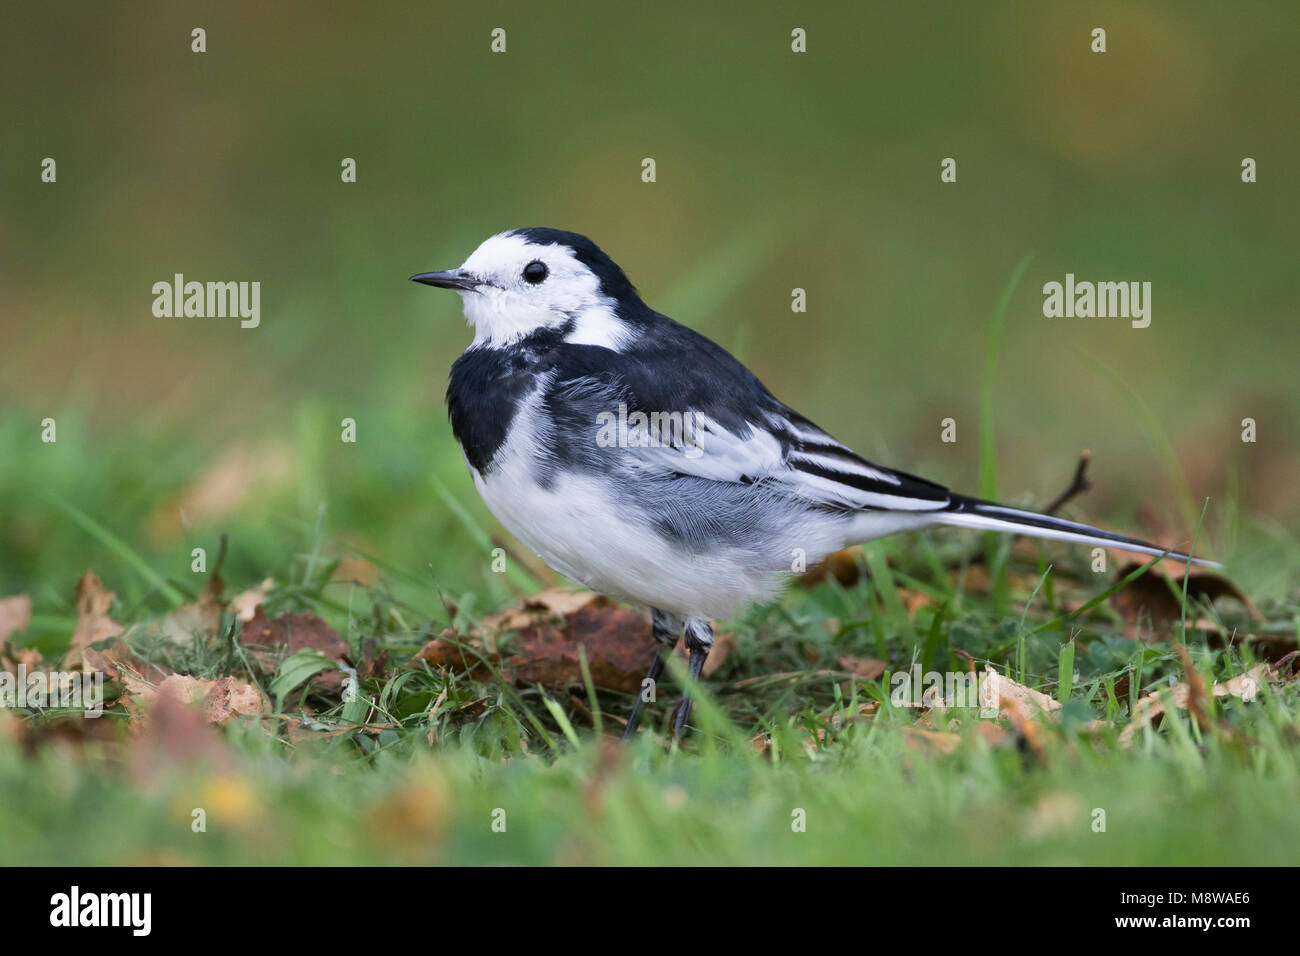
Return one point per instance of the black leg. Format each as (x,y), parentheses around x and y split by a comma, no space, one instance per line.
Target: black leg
(665,628)
(699,640)
(651,675)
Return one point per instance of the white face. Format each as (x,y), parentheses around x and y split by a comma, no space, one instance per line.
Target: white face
(506,306)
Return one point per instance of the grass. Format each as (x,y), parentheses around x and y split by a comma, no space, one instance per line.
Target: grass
(792,760)
(442,756)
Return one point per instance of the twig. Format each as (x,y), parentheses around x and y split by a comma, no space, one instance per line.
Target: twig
(1078,485)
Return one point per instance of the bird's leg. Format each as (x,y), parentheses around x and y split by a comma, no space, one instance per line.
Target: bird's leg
(699,640)
(665,629)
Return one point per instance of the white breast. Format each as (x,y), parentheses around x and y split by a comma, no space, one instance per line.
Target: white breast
(576,528)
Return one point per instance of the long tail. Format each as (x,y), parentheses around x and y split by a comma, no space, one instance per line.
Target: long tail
(973,513)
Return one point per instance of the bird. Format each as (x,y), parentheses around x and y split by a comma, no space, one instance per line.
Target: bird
(641,460)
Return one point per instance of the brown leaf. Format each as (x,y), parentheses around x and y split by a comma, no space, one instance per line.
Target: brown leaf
(1154,598)
(94,602)
(455,654)
(617,642)
(15,615)
(1244,686)
(287,635)
(1014,700)
(867,668)
(244,605)
(29,657)
(551,605)
(473,708)
(220,701)
(190,622)
(117,658)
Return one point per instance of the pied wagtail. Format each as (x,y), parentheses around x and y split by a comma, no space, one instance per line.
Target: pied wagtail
(640,459)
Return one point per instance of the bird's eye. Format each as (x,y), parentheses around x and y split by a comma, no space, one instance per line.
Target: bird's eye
(535,271)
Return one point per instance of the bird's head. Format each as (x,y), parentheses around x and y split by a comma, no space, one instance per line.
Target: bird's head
(528,280)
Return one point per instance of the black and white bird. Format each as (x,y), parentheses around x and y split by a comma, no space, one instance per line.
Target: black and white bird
(641,460)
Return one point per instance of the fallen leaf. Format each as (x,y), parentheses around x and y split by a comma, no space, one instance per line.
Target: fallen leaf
(220,701)
(117,658)
(190,622)
(94,602)
(550,605)
(1244,686)
(457,655)
(171,732)
(1023,706)
(1014,700)
(473,708)
(244,605)
(287,635)
(617,642)
(1154,598)
(29,657)
(866,668)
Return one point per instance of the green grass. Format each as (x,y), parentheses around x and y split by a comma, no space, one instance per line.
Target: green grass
(414,764)
(421,783)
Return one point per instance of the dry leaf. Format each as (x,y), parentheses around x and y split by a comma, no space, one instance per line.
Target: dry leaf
(866,668)
(244,604)
(188,622)
(94,602)
(1244,686)
(220,700)
(287,635)
(117,658)
(1153,599)
(550,605)
(617,642)
(1015,701)
(455,654)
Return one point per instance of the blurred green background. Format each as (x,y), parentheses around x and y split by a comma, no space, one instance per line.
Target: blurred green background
(774,170)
